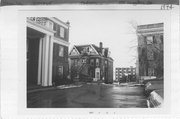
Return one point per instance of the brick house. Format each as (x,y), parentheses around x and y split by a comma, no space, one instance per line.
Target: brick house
(47,50)
(90,62)
(150,50)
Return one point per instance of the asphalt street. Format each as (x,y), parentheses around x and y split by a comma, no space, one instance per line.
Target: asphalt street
(89,96)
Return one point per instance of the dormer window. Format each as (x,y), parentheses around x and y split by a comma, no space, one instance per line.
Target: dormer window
(85,50)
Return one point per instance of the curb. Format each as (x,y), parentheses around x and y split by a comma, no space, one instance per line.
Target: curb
(52,88)
(41,89)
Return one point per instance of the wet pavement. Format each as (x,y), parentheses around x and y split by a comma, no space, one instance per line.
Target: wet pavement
(89,96)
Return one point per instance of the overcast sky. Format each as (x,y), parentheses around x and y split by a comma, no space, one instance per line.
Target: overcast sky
(113,28)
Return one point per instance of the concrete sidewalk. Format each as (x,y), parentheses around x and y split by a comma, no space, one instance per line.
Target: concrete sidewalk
(40,88)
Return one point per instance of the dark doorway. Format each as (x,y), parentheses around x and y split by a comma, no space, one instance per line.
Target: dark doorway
(33,40)
(32,61)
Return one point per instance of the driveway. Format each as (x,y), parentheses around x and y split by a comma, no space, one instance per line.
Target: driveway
(89,96)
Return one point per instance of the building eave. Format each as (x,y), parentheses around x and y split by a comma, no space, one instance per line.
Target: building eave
(73,56)
(56,20)
(60,41)
(39,27)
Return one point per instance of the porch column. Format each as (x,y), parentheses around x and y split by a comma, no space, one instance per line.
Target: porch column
(40,62)
(50,60)
(45,60)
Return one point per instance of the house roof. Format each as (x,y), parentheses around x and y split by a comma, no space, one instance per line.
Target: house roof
(80,48)
(96,48)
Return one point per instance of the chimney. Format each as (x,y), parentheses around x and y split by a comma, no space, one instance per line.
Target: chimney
(101,46)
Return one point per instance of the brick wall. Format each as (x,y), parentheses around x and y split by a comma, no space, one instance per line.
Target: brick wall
(56,27)
(110,71)
(60,61)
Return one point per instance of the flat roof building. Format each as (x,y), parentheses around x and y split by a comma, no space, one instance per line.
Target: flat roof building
(150,49)
(121,72)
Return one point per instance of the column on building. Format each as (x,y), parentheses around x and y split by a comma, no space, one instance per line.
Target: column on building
(45,61)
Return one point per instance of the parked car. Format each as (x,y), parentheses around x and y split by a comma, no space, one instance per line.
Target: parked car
(153,85)
(144,79)
(153,79)
(156,99)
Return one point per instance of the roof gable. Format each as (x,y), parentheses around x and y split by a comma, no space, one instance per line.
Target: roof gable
(95,50)
(74,51)
(89,49)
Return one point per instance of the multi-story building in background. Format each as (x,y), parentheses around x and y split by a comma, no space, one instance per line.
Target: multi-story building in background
(47,51)
(150,50)
(90,62)
(125,74)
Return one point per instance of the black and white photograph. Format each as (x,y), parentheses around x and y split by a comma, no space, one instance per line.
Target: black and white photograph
(96,59)
(89,60)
